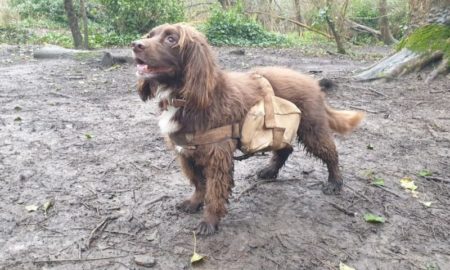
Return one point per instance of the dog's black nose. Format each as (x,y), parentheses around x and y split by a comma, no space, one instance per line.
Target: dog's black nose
(137,46)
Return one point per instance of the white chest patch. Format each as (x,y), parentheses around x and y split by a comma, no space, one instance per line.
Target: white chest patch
(166,122)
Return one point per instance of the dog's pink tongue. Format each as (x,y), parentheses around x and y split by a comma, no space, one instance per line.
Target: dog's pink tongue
(141,68)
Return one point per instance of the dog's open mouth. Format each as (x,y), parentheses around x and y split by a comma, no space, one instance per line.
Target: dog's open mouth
(144,69)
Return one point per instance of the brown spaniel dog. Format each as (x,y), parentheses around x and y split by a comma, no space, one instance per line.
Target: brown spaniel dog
(175,65)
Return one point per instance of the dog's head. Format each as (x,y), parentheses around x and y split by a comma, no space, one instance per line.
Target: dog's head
(177,56)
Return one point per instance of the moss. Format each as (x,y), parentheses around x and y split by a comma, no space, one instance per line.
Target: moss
(428,38)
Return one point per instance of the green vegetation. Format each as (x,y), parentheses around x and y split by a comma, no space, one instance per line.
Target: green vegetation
(233,27)
(111,22)
(428,39)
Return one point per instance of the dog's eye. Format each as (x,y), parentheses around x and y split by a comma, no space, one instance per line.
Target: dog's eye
(171,39)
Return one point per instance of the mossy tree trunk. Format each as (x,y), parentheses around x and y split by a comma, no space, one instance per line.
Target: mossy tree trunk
(427,45)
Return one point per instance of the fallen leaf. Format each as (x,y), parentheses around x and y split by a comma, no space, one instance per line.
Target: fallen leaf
(370,146)
(196,257)
(18,119)
(47,205)
(17,109)
(377,181)
(425,173)
(427,204)
(31,208)
(343,266)
(408,183)
(373,218)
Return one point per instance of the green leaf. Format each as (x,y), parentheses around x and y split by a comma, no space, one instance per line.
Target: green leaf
(343,266)
(18,119)
(88,136)
(371,218)
(425,173)
(17,109)
(370,146)
(196,257)
(377,181)
(31,208)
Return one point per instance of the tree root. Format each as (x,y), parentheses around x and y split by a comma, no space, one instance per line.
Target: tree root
(404,62)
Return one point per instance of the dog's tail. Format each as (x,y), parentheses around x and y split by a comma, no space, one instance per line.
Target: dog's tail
(343,122)
(327,85)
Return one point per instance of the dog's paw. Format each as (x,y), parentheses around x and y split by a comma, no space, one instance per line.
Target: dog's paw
(332,188)
(205,228)
(267,173)
(189,207)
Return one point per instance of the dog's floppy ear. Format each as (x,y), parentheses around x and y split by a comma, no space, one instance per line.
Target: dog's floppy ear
(199,67)
(147,89)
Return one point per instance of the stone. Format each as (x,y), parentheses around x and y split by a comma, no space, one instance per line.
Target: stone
(145,260)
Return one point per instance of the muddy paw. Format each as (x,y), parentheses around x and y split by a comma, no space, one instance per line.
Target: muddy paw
(189,207)
(267,173)
(205,228)
(332,188)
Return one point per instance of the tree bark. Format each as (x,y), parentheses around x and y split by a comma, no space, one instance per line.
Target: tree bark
(73,23)
(85,24)
(386,34)
(332,26)
(298,11)
(225,3)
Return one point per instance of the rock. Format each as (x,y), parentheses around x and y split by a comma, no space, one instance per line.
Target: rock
(145,260)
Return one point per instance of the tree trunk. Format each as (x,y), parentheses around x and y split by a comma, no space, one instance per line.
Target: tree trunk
(298,11)
(85,24)
(386,34)
(332,26)
(73,23)
(225,3)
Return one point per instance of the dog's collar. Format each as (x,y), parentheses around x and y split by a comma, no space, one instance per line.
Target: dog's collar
(174,102)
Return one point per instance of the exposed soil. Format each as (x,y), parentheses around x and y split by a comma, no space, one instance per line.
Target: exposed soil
(79,136)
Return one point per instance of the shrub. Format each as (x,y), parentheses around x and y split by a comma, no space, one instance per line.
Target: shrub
(41,9)
(130,16)
(232,27)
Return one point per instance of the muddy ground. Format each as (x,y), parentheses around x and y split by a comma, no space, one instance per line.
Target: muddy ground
(77,135)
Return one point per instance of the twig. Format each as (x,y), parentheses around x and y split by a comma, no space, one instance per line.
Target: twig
(359,193)
(366,110)
(376,92)
(390,191)
(156,200)
(101,226)
(437,179)
(61,95)
(76,260)
(343,210)
(254,185)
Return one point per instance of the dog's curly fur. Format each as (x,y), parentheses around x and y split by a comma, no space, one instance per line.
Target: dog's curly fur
(175,61)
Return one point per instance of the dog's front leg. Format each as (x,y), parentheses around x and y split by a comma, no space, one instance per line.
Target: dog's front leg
(219,182)
(195,175)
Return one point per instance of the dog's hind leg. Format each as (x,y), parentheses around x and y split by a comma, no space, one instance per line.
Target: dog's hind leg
(318,141)
(194,173)
(277,161)
(219,182)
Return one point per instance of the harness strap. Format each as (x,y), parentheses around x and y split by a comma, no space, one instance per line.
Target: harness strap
(207,137)
(269,118)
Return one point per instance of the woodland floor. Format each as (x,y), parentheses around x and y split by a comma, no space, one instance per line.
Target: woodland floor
(78,135)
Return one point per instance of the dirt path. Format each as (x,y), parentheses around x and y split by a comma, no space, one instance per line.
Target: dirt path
(78,136)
